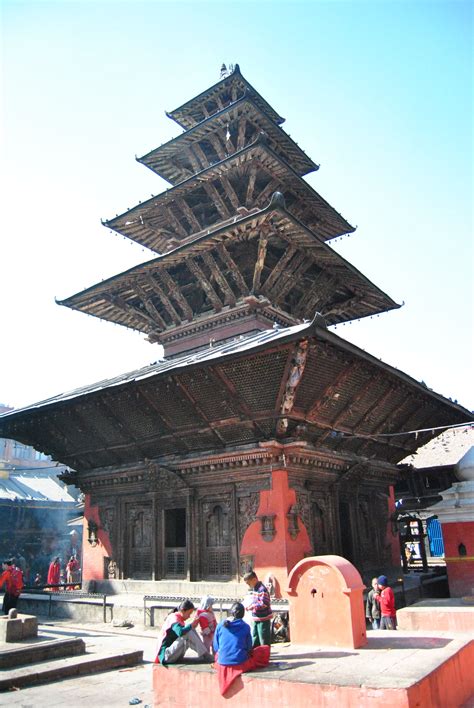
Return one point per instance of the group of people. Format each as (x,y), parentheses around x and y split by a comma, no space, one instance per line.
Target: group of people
(380,605)
(232,646)
(11,580)
(55,575)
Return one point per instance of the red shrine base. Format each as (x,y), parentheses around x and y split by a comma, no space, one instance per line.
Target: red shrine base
(395,669)
(453,614)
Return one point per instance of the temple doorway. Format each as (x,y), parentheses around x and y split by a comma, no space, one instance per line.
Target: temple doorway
(346,532)
(176,565)
(139,542)
(218,551)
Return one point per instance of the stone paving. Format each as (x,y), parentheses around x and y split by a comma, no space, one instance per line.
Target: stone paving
(391,659)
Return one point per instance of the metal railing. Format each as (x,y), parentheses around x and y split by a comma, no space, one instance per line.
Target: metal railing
(67,592)
(171,601)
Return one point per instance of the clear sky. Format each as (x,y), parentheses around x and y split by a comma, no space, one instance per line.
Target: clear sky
(379,93)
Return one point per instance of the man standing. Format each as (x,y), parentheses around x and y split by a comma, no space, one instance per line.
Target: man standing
(386,600)
(54,574)
(12,578)
(261,610)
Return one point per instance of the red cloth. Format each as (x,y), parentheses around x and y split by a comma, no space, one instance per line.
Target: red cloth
(226,675)
(12,577)
(54,575)
(207,621)
(386,600)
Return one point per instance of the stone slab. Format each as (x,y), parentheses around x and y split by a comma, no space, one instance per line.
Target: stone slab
(41,651)
(64,668)
(444,615)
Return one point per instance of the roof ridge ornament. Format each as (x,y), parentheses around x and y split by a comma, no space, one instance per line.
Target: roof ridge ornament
(278,200)
(229,70)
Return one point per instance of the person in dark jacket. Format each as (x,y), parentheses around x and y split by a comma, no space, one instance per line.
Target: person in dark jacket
(233,649)
(261,610)
(372,607)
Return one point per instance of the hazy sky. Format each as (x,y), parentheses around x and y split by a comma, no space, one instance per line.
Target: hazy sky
(379,93)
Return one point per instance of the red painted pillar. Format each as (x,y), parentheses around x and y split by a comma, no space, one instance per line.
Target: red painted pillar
(391,539)
(95,552)
(278,539)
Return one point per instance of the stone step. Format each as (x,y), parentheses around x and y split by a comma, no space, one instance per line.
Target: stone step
(42,651)
(66,668)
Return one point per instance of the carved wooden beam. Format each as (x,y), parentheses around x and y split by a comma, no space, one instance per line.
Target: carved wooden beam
(251,185)
(369,385)
(204,283)
(131,310)
(201,155)
(197,167)
(328,393)
(238,400)
(318,294)
(179,384)
(149,305)
(174,221)
(385,424)
(175,292)
(233,269)
(413,420)
(167,423)
(109,404)
(229,190)
(241,133)
(189,214)
(278,269)
(296,268)
(217,145)
(259,263)
(378,403)
(229,297)
(229,143)
(217,199)
(341,307)
(168,305)
(267,191)
(294,370)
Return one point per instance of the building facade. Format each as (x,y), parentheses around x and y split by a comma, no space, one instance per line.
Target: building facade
(261,437)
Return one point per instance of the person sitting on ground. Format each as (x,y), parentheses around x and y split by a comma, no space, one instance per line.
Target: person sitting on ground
(372,607)
(386,600)
(261,610)
(207,621)
(233,649)
(177,636)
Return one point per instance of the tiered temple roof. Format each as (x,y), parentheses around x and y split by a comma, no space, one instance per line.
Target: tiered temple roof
(302,384)
(258,269)
(240,234)
(241,182)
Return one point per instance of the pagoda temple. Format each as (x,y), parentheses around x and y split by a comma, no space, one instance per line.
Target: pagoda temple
(261,436)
